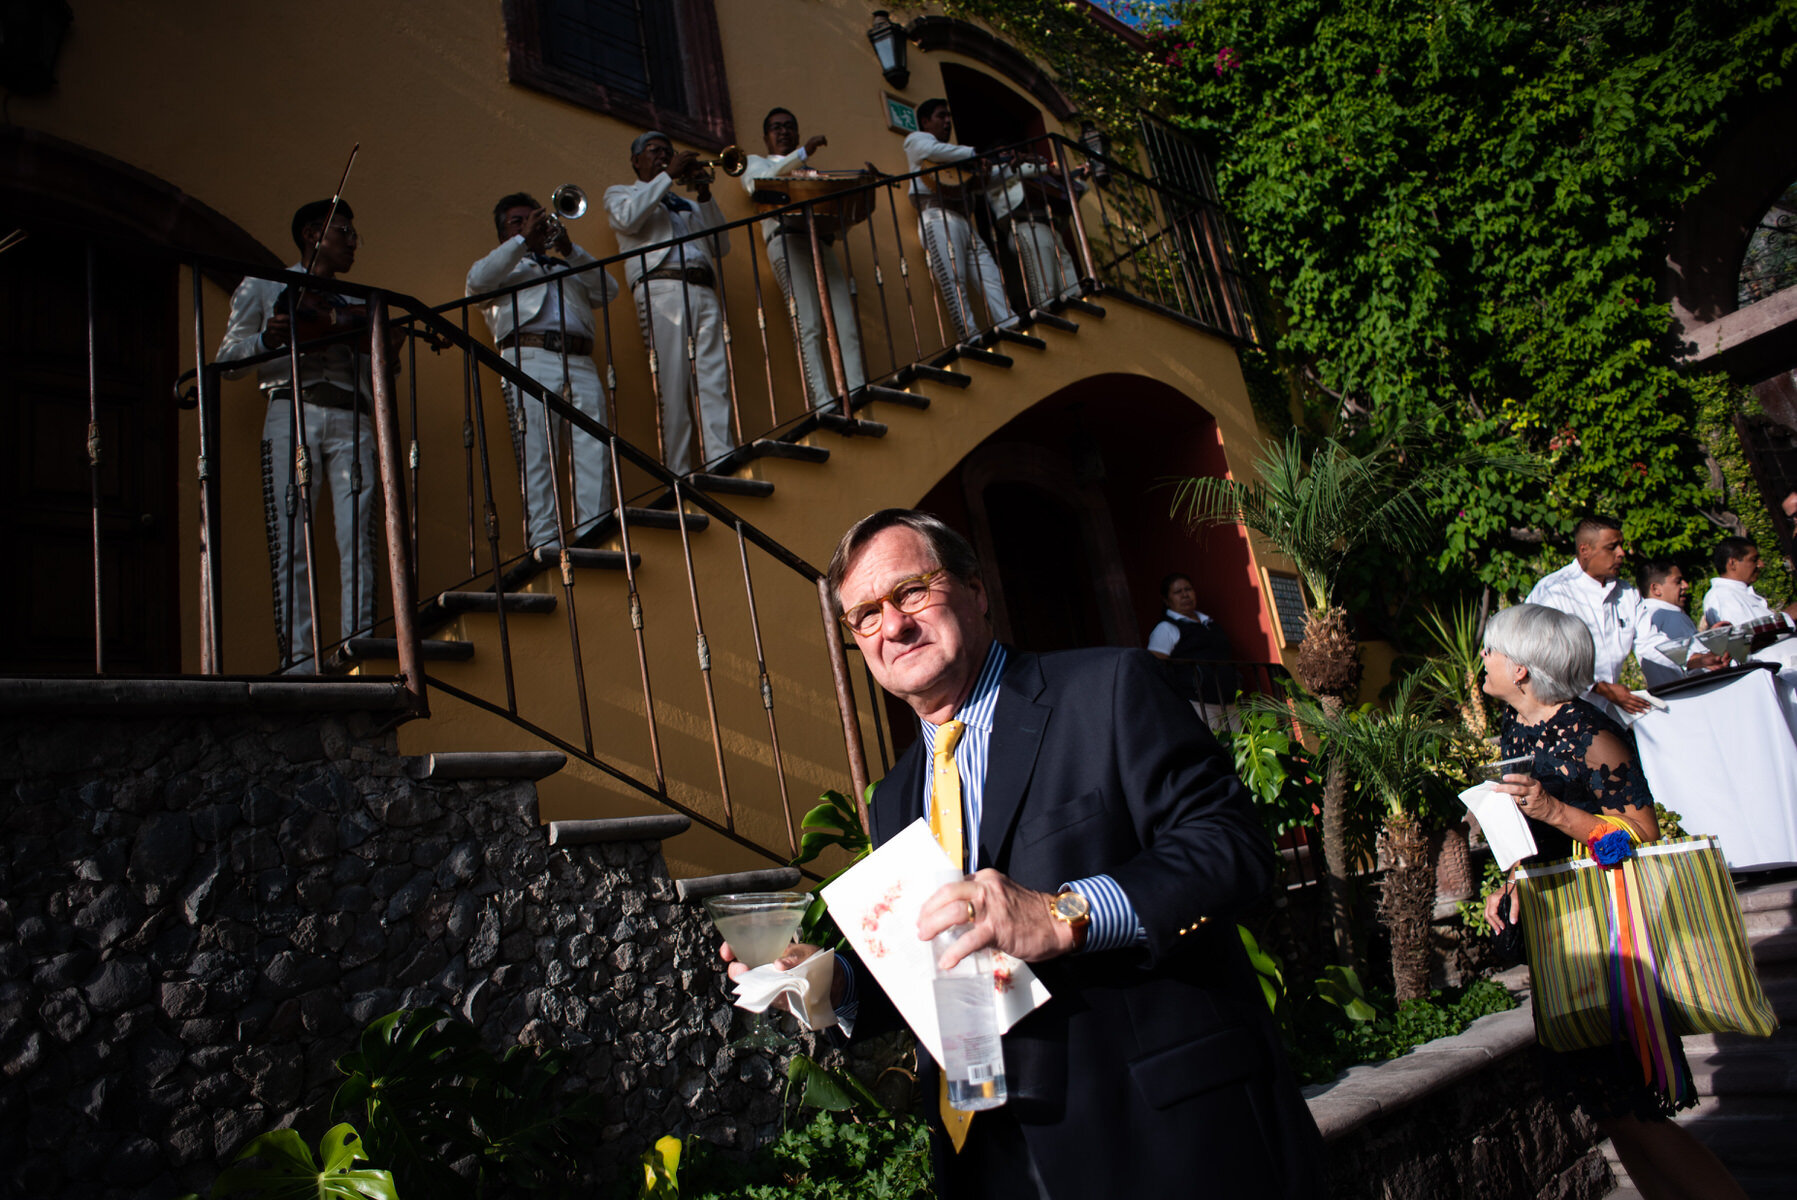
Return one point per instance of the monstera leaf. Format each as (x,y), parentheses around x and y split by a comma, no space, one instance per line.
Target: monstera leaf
(289,1172)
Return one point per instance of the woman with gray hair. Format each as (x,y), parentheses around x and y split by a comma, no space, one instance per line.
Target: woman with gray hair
(1537,661)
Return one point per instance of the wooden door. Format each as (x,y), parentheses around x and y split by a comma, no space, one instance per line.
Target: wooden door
(47,603)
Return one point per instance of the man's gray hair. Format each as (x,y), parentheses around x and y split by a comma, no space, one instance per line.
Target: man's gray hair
(952,551)
(1555,647)
(644,138)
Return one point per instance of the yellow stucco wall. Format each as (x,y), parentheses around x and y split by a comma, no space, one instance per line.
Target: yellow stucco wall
(252,110)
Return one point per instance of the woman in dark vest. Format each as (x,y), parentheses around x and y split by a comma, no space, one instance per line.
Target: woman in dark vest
(1199,656)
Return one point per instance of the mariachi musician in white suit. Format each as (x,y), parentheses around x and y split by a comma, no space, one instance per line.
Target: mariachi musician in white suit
(789,250)
(548,333)
(676,292)
(960,260)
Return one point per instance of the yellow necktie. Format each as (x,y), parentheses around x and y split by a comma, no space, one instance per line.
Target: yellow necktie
(946,826)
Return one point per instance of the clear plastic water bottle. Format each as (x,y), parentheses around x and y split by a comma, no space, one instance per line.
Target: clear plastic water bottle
(973,1055)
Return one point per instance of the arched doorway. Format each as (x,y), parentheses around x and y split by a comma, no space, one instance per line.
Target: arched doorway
(56,201)
(1067,507)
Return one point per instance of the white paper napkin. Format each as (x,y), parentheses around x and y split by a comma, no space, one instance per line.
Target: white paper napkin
(806,987)
(1506,829)
(876,903)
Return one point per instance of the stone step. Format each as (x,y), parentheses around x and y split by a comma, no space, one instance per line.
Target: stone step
(991,358)
(1017,337)
(1765,897)
(366,649)
(850,426)
(1773,947)
(486,602)
(888,395)
(770,448)
(654,828)
(732,485)
(665,518)
(592,560)
(932,374)
(774,879)
(1768,920)
(488,764)
(1729,1064)
(1779,982)
(1746,1132)
(1050,320)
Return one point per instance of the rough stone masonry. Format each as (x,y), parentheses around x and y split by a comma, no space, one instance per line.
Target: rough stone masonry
(198,914)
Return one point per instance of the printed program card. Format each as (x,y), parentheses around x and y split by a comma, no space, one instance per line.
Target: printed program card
(876,903)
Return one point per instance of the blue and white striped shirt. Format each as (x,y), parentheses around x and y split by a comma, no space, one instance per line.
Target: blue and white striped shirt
(1114,922)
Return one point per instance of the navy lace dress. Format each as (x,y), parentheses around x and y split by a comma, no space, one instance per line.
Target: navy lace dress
(1584,759)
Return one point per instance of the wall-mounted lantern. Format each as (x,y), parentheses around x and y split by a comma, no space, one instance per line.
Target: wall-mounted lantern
(31,33)
(889,44)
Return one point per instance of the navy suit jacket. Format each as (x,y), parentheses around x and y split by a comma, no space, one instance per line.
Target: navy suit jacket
(1153,1070)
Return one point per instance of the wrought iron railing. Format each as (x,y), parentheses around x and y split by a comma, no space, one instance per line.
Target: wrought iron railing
(1146,241)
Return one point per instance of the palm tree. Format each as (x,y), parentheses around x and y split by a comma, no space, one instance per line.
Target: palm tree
(1394,754)
(1318,512)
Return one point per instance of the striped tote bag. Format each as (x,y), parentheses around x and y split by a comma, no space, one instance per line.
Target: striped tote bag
(1641,952)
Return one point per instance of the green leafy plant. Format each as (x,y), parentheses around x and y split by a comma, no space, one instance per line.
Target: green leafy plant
(661,1170)
(1340,986)
(286,1170)
(831,1157)
(834,823)
(1276,769)
(1395,754)
(431,1095)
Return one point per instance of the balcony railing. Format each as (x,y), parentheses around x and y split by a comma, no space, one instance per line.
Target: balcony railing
(1060,239)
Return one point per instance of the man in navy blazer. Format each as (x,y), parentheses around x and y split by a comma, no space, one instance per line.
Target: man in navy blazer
(1114,849)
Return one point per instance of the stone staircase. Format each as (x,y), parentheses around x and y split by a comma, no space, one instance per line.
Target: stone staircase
(929,413)
(1747,1087)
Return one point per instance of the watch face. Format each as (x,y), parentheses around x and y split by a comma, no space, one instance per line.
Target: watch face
(1071,906)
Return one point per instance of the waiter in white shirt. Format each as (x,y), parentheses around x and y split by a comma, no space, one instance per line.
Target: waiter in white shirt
(1019,198)
(1590,588)
(1664,591)
(789,250)
(335,392)
(676,293)
(553,344)
(1731,599)
(960,260)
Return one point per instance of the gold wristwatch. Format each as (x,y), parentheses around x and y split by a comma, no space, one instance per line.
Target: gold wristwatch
(1074,911)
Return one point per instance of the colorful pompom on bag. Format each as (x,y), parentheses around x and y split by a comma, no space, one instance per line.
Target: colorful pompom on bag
(1637,945)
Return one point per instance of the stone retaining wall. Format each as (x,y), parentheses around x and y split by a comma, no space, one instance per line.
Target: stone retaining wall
(198,915)
(1462,1117)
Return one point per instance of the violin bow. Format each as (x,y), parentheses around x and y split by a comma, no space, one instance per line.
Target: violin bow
(336,199)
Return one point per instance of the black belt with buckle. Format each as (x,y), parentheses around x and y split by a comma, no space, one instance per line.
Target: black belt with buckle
(554,342)
(696,276)
(323,395)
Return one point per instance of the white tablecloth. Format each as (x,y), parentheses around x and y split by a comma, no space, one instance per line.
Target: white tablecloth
(1785,655)
(1724,757)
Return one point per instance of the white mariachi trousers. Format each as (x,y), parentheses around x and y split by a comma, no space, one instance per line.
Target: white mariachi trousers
(962,265)
(531,443)
(666,309)
(1049,273)
(341,447)
(790,254)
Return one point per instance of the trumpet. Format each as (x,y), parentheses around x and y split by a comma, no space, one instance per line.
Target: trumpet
(566,203)
(733,159)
